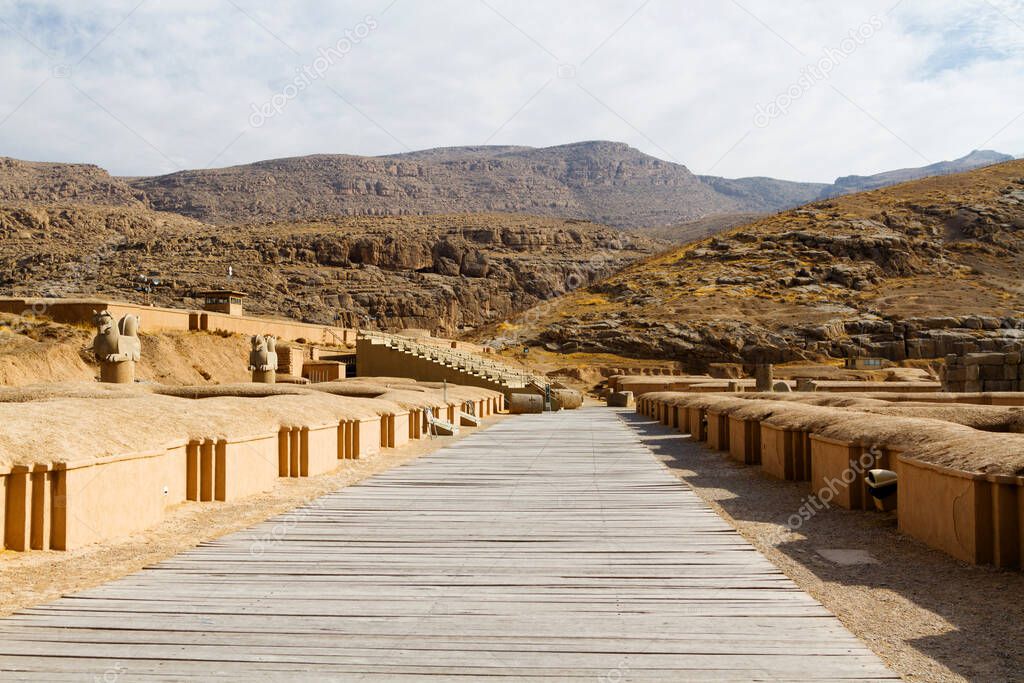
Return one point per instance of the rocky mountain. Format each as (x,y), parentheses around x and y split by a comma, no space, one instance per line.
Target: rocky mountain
(857,183)
(444,273)
(605,182)
(765,195)
(40,182)
(910,271)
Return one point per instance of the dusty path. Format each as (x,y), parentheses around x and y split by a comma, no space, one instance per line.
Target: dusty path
(551,546)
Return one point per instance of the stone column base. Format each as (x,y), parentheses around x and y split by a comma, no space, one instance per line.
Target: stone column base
(264,376)
(120,372)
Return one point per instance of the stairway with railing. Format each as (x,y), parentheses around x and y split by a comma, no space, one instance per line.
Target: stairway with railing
(382,354)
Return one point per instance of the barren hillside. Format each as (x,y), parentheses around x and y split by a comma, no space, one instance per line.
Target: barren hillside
(605,182)
(34,351)
(32,181)
(906,271)
(444,273)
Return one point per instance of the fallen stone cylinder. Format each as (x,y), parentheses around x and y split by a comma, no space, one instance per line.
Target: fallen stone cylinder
(520,404)
(567,399)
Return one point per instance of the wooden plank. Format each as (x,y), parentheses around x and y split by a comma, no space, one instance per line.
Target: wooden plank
(546,547)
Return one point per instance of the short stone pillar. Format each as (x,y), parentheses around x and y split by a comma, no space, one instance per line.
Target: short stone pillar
(764,376)
(734,387)
(122,372)
(116,346)
(263,359)
(264,376)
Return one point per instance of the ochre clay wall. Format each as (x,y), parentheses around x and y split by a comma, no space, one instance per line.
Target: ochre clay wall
(977,518)
(718,431)
(68,504)
(155,318)
(944,509)
(745,440)
(784,454)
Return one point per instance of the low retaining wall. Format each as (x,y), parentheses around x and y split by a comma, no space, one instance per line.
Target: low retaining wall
(745,440)
(69,504)
(840,467)
(785,453)
(974,517)
(227,470)
(153,318)
(285,330)
(717,430)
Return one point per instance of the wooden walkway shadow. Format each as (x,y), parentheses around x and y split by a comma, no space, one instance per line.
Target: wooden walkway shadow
(546,547)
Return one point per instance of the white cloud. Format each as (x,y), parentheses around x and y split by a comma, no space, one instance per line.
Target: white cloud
(173,84)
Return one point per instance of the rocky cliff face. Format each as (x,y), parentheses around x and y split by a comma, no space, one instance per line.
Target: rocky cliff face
(911,271)
(30,181)
(444,273)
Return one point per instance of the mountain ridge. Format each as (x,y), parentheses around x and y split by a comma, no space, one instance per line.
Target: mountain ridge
(600,181)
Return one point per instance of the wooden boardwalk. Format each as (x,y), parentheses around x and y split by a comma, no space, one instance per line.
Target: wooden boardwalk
(545,547)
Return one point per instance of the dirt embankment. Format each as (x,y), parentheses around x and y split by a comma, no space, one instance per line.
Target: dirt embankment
(37,351)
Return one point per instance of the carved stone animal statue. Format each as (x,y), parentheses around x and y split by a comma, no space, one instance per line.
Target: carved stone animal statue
(263,354)
(116,343)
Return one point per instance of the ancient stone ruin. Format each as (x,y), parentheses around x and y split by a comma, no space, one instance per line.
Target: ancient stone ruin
(116,347)
(765,377)
(263,359)
(974,372)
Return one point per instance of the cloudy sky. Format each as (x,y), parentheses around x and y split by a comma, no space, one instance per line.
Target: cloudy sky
(791,89)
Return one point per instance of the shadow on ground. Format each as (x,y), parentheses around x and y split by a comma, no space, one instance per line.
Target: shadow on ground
(969,619)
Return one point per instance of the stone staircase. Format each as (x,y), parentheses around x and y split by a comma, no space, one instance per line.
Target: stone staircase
(387,355)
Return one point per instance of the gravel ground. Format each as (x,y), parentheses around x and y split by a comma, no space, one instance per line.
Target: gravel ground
(38,576)
(930,617)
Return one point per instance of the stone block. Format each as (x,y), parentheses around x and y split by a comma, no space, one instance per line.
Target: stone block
(992,372)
